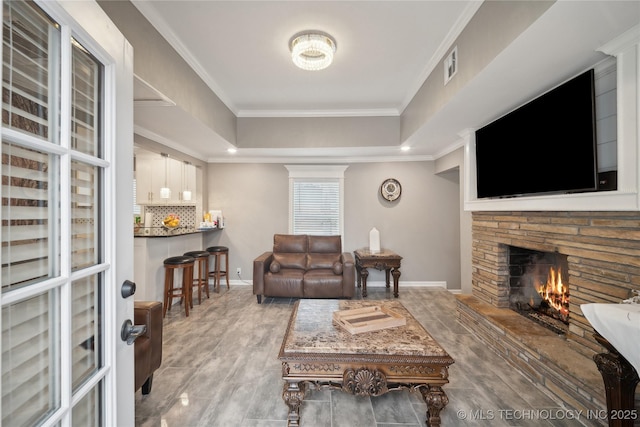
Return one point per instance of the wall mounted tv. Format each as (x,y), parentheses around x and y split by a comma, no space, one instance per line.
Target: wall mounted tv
(546,146)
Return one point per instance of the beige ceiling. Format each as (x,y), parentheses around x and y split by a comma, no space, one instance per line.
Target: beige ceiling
(386,50)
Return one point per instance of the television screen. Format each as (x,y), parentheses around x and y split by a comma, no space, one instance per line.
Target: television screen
(546,146)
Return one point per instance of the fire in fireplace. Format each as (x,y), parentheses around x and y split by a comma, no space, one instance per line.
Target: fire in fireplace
(538,287)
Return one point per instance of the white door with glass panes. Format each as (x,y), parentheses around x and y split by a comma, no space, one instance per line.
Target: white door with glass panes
(67,150)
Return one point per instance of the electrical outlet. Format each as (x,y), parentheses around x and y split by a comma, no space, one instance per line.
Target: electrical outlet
(238,271)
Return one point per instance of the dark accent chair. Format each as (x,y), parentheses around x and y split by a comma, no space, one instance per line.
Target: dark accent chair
(148,346)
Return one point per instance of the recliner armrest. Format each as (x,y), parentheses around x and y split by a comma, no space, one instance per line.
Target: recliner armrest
(348,274)
(347,257)
(260,268)
(149,313)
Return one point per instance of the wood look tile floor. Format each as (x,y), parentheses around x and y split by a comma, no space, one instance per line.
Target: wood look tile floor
(220,368)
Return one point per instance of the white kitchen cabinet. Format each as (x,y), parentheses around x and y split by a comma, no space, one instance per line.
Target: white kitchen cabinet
(149,178)
(154,171)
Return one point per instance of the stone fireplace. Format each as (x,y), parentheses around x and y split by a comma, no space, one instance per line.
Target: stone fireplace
(602,255)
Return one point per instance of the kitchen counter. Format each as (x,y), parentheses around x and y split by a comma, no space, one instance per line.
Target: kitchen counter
(165,232)
(150,251)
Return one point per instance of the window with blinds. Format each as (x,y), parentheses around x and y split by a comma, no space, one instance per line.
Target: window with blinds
(32,195)
(30,217)
(316,207)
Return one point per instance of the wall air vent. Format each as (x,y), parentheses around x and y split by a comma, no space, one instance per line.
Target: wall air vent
(451,65)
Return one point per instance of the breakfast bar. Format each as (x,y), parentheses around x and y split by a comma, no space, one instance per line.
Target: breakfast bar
(152,247)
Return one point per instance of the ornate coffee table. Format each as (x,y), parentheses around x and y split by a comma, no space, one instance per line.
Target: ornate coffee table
(316,353)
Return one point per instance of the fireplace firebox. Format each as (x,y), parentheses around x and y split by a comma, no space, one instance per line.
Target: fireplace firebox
(538,287)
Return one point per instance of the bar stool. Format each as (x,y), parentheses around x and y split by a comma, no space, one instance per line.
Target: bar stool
(170,292)
(217,252)
(202,258)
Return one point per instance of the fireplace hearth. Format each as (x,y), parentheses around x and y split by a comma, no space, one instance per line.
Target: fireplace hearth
(538,287)
(603,255)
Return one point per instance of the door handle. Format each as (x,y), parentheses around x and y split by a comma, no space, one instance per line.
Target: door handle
(128,289)
(130,332)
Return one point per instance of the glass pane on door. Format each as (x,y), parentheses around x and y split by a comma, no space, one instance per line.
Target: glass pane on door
(30,359)
(87,334)
(85,220)
(86,86)
(88,412)
(29,93)
(30,212)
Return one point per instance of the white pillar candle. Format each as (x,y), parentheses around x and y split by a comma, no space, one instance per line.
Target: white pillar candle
(374,240)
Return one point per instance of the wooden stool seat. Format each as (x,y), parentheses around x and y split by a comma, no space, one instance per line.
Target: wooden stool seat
(217,273)
(202,282)
(184,292)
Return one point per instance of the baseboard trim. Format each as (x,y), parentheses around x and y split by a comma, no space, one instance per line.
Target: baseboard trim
(375,284)
(406,284)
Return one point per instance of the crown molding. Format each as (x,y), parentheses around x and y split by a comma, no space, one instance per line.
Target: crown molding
(374,112)
(326,160)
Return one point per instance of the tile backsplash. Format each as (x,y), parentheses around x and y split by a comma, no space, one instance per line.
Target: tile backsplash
(187,215)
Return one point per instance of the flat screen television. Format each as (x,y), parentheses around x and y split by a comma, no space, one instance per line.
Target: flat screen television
(545,146)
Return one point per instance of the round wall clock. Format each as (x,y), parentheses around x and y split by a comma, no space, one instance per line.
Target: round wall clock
(390,189)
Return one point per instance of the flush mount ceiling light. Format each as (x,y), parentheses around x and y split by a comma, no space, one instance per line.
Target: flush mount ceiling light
(312,50)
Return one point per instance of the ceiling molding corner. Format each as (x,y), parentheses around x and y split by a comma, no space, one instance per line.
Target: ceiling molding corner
(435,59)
(163,28)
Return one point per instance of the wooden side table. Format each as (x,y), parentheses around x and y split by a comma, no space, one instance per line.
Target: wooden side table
(385,259)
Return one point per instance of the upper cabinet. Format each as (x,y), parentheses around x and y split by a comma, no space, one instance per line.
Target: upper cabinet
(155,172)
(149,178)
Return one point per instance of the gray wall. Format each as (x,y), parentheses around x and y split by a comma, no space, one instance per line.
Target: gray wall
(422,226)
(302,132)
(494,26)
(451,166)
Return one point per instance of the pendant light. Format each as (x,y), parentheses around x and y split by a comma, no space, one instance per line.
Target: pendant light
(165,192)
(186,194)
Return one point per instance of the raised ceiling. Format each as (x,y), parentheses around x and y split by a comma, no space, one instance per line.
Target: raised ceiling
(385,52)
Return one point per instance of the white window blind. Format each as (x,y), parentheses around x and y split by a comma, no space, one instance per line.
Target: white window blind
(316,198)
(316,207)
(136,206)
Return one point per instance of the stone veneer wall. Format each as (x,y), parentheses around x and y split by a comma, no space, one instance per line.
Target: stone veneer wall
(603,251)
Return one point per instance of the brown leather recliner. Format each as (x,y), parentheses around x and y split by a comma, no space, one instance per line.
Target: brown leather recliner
(148,346)
(303,266)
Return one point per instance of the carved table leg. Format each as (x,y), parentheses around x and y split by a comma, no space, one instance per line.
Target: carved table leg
(620,381)
(396,278)
(436,400)
(386,276)
(364,274)
(293,395)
